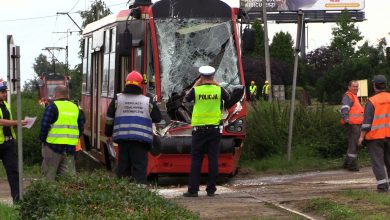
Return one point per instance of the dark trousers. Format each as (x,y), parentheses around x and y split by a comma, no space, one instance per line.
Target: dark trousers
(133,160)
(265,96)
(379,151)
(9,156)
(353,133)
(204,141)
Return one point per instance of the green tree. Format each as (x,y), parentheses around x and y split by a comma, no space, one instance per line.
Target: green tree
(282,48)
(98,10)
(41,65)
(259,39)
(345,37)
(75,83)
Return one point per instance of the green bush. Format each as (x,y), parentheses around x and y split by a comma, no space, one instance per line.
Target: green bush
(316,133)
(31,142)
(96,196)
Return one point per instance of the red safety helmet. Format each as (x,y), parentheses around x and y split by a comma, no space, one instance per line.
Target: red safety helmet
(134,78)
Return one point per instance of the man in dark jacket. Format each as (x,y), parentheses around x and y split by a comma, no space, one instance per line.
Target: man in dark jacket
(8,149)
(61,126)
(129,122)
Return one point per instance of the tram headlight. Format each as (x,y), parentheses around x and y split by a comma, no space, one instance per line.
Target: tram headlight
(236,126)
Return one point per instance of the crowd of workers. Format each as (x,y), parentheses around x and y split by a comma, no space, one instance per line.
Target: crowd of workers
(129,123)
(370,127)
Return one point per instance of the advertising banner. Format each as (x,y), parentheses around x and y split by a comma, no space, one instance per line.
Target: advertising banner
(305,5)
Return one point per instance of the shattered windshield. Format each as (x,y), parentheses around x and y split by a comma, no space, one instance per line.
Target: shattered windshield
(186,44)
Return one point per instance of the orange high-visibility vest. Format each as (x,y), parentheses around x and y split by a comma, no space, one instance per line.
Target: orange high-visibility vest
(356,111)
(380,127)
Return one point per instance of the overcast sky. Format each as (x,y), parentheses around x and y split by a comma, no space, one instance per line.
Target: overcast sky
(34,23)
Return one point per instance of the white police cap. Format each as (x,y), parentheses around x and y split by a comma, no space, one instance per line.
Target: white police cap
(206,70)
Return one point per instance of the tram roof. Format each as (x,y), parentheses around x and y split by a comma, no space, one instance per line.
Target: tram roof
(108,20)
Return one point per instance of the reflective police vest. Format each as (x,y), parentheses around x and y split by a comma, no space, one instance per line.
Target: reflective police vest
(356,111)
(380,127)
(65,130)
(207,107)
(1,127)
(132,118)
(253,90)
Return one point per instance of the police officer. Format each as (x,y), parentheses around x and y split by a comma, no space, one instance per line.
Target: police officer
(206,117)
(376,131)
(352,118)
(252,91)
(8,150)
(61,126)
(129,122)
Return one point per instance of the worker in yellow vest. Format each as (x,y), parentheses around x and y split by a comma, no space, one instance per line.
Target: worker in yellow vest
(252,91)
(376,132)
(206,135)
(265,90)
(61,126)
(8,149)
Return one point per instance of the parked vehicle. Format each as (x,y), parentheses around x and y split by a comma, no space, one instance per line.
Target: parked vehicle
(47,83)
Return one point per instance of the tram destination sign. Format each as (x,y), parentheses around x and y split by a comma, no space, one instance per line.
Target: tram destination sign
(305,5)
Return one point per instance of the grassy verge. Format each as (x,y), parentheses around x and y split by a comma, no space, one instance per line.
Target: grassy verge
(28,171)
(96,196)
(280,164)
(8,212)
(351,204)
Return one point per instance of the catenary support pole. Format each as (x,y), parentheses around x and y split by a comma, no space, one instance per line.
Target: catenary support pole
(294,85)
(266,52)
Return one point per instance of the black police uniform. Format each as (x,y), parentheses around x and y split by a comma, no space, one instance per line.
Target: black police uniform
(205,140)
(8,155)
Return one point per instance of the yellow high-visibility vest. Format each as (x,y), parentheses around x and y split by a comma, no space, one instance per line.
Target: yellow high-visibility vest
(253,89)
(207,107)
(1,127)
(65,130)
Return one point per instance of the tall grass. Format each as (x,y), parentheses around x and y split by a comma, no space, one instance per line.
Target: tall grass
(96,196)
(317,132)
(31,142)
(8,212)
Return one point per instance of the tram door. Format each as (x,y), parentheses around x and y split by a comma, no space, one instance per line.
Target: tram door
(96,88)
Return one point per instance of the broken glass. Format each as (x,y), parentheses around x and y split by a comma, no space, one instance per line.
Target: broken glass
(184,45)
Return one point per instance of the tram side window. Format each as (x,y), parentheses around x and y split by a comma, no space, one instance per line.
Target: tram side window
(86,64)
(138,59)
(111,78)
(106,62)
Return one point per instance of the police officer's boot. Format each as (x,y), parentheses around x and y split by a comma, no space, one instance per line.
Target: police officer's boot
(353,166)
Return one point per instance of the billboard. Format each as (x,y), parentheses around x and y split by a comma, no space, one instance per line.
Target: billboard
(305,5)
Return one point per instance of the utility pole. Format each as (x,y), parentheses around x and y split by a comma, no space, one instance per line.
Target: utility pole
(300,25)
(68,33)
(50,50)
(266,55)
